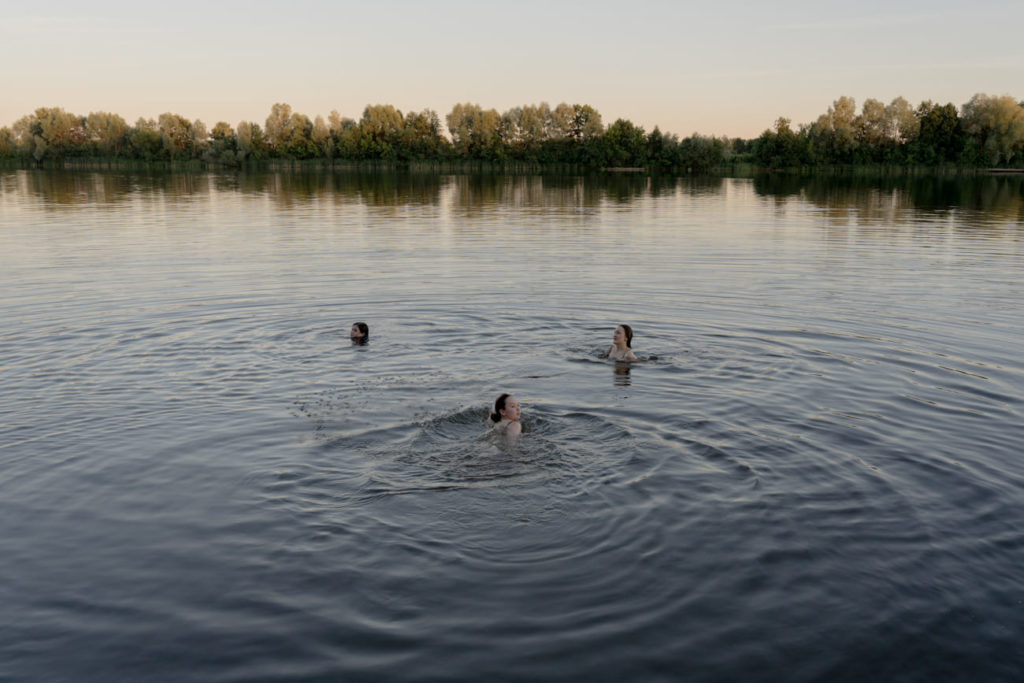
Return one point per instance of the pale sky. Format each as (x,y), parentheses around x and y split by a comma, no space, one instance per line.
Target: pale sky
(715,68)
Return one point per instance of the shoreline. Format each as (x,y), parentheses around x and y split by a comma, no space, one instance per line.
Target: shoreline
(735,168)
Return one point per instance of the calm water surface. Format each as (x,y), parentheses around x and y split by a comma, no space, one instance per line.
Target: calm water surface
(814,473)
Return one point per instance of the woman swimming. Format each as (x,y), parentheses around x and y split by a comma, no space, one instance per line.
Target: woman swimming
(506,415)
(622,342)
(360,333)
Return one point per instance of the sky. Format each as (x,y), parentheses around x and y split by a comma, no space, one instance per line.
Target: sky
(714,68)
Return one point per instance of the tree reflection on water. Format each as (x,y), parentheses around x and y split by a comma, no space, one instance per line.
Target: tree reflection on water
(864,199)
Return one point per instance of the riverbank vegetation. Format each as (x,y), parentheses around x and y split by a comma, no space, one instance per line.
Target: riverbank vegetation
(987,131)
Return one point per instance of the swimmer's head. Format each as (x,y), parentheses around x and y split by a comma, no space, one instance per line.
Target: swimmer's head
(506,407)
(360,333)
(623,333)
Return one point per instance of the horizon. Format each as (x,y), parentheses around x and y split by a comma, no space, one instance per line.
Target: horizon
(683,68)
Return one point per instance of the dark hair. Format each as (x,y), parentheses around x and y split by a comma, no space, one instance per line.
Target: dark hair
(365,329)
(499,405)
(629,335)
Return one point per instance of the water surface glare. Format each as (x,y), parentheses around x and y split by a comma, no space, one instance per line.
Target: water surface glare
(814,472)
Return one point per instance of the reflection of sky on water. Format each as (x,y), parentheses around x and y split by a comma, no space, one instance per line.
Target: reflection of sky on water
(826,410)
(710,239)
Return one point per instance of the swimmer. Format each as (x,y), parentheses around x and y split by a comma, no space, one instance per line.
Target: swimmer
(360,333)
(506,415)
(622,342)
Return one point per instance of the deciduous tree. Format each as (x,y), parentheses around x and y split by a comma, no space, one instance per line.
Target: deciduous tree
(321,137)
(626,144)
(940,138)
(585,122)
(176,135)
(7,148)
(106,132)
(995,128)
(474,131)
(276,124)
(901,123)
(146,140)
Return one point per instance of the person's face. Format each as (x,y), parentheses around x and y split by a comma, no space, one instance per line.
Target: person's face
(511,409)
(355,334)
(619,336)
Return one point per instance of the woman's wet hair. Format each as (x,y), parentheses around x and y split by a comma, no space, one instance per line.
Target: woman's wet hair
(499,405)
(629,335)
(365,329)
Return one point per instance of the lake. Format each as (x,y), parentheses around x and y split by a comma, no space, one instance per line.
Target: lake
(814,471)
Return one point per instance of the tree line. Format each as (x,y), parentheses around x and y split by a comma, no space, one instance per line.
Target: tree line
(986,131)
(532,134)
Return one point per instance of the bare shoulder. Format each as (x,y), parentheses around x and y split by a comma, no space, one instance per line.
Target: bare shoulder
(514,429)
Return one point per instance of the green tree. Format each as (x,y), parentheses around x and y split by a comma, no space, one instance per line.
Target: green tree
(345,133)
(107,132)
(223,145)
(901,123)
(659,149)
(421,136)
(297,141)
(7,146)
(288,133)
(40,148)
(626,144)
(200,138)
(276,125)
(250,140)
(176,135)
(322,139)
(533,124)
(222,131)
(559,123)
(380,131)
(509,128)
(871,130)
(940,138)
(243,140)
(779,148)
(585,122)
(336,123)
(836,131)
(56,133)
(381,122)
(22,136)
(475,132)
(146,140)
(523,130)
(699,153)
(994,127)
